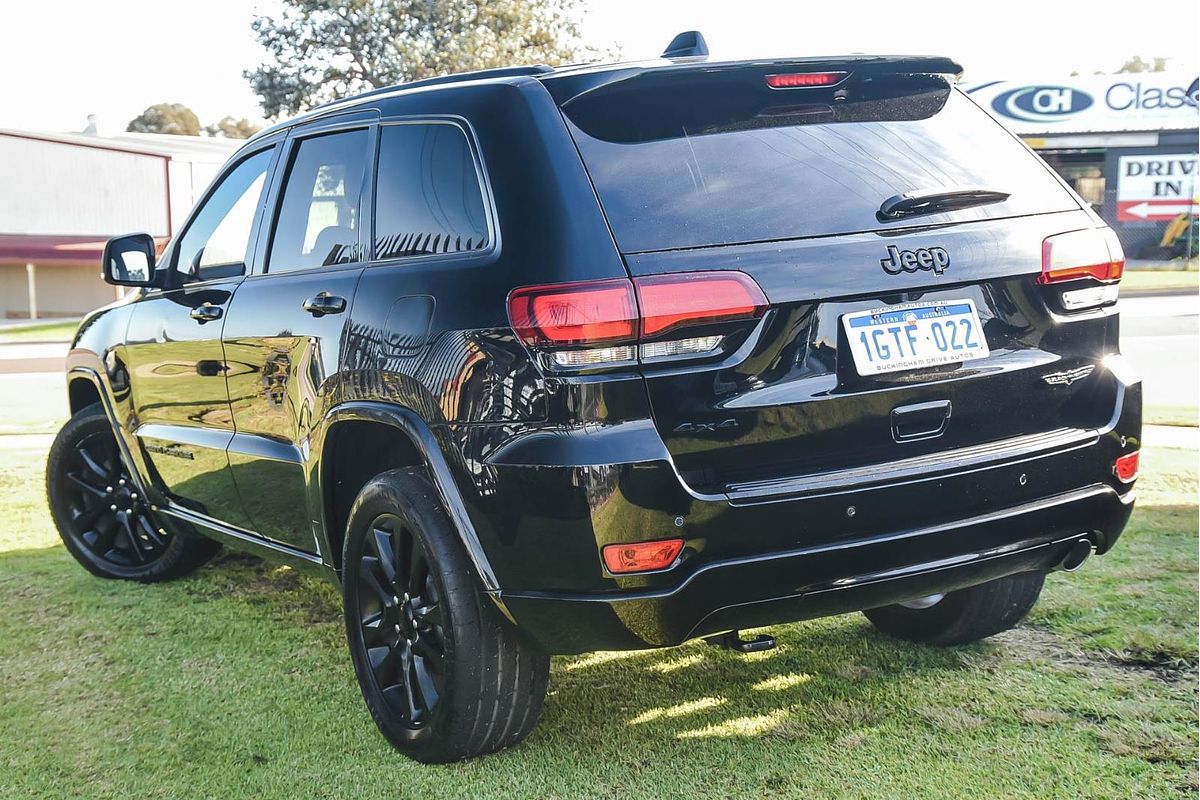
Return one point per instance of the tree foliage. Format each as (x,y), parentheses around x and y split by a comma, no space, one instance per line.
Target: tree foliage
(231,128)
(1138,64)
(321,51)
(173,118)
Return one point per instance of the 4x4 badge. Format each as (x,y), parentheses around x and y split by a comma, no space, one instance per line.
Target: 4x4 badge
(934,258)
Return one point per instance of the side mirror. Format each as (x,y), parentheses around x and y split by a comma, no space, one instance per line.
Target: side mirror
(129,260)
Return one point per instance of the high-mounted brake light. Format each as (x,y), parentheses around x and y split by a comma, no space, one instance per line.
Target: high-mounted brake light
(1093,254)
(616,321)
(804,80)
(642,556)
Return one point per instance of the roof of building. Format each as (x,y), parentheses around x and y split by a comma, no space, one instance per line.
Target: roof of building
(182,148)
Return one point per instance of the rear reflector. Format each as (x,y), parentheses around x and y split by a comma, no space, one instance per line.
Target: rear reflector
(1094,253)
(1126,467)
(642,556)
(803,80)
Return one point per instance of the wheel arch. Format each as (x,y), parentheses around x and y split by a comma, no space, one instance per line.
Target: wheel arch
(82,391)
(405,440)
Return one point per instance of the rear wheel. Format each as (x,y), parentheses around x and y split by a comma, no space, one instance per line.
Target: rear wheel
(103,521)
(966,615)
(443,675)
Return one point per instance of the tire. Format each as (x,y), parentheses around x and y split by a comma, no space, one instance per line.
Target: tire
(444,676)
(85,478)
(964,616)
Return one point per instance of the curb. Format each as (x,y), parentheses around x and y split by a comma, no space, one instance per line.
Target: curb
(1158,292)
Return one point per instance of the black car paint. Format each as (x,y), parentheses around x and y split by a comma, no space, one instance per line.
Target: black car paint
(538,472)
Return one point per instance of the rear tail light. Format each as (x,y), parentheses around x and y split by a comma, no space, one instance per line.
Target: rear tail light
(1093,255)
(804,80)
(589,312)
(1126,467)
(612,322)
(641,556)
(674,301)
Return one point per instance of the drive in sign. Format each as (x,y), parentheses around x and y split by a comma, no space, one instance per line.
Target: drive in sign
(1156,187)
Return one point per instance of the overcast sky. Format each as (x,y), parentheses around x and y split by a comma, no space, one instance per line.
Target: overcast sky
(61,61)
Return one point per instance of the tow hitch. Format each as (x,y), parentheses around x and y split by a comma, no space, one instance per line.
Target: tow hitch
(733,641)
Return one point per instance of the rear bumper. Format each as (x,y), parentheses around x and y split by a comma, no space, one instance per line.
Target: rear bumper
(787,552)
(827,579)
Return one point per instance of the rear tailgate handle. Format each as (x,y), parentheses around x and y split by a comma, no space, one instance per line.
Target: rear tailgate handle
(920,420)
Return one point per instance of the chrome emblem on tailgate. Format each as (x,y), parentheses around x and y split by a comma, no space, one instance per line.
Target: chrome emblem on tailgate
(1069,376)
(927,258)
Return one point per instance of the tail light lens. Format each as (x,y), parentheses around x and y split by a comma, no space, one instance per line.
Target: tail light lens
(1126,467)
(610,322)
(803,80)
(1093,255)
(641,556)
(674,301)
(590,312)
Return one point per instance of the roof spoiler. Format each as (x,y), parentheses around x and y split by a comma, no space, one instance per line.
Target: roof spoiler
(566,87)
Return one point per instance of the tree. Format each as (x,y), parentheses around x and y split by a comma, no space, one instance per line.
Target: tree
(321,51)
(231,128)
(166,118)
(1136,64)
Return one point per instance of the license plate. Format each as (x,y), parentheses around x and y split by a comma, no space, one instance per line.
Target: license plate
(914,335)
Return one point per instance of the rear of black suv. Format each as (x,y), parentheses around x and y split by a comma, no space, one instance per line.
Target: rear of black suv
(866,356)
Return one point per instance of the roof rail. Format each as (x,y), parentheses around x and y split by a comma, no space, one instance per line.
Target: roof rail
(458,77)
(687,44)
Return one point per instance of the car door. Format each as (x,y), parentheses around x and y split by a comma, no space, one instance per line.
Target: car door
(182,419)
(286,323)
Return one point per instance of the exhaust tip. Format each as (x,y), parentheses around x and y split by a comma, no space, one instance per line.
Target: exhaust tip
(1080,552)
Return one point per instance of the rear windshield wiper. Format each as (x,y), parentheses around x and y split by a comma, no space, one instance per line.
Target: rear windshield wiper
(932,201)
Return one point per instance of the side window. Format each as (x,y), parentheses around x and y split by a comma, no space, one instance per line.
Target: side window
(318,218)
(217,242)
(427,198)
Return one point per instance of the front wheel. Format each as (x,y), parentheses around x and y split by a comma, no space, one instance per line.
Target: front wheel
(966,615)
(443,675)
(102,520)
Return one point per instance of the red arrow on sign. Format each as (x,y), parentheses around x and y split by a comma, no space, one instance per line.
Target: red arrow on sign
(1150,210)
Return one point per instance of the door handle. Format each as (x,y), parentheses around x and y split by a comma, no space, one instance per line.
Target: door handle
(325,303)
(206,313)
(920,420)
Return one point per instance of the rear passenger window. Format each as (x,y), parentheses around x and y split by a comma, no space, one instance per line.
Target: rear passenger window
(318,218)
(428,196)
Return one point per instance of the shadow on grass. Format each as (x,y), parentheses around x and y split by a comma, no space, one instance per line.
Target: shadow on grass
(827,680)
(814,685)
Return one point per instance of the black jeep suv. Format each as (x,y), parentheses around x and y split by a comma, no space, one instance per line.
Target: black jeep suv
(537,361)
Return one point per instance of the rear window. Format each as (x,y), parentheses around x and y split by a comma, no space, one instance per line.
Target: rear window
(682,161)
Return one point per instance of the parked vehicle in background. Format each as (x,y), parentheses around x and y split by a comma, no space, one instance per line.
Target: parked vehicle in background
(537,361)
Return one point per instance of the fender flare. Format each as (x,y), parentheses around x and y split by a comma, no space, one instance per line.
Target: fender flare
(119,431)
(421,435)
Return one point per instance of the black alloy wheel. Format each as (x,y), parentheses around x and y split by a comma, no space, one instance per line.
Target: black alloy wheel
(443,673)
(400,618)
(106,512)
(102,517)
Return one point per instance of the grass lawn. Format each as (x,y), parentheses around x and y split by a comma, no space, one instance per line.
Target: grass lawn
(58,331)
(1149,279)
(1178,416)
(235,683)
